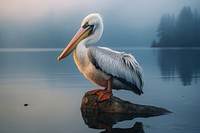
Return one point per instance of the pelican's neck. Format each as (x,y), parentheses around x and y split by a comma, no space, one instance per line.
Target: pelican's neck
(80,54)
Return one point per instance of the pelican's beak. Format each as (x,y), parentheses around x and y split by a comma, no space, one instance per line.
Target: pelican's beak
(82,33)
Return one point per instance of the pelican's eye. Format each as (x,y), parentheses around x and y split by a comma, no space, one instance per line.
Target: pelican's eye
(92,29)
(85,25)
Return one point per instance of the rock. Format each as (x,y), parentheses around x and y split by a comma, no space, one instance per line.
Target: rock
(115,105)
(26,104)
(105,114)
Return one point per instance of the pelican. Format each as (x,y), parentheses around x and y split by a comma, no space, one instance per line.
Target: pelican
(101,65)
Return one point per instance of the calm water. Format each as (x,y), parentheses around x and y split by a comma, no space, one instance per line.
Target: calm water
(54,90)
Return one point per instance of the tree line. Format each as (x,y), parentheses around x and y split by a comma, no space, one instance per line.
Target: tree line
(180,31)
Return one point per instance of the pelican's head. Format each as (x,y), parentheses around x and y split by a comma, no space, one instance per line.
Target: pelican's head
(91,30)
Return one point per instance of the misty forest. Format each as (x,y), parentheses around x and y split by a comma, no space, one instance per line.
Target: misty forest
(180,31)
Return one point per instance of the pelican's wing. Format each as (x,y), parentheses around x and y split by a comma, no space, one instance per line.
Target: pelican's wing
(118,64)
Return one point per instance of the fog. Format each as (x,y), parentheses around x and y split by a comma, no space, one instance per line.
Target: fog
(48,23)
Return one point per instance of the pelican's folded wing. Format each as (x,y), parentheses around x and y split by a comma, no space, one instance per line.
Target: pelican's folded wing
(118,64)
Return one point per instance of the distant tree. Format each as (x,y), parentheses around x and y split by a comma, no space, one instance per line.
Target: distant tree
(196,26)
(184,27)
(154,43)
(165,29)
(183,31)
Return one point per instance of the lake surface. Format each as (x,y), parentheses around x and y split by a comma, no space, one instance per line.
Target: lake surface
(54,90)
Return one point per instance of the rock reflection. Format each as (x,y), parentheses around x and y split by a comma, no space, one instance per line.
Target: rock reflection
(107,120)
(137,128)
(181,62)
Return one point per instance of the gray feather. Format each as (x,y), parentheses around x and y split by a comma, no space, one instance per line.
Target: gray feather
(118,64)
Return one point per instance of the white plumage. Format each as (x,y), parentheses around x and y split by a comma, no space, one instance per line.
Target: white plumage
(103,66)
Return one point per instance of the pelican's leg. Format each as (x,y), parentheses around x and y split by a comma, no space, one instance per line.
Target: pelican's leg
(106,93)
(103,94)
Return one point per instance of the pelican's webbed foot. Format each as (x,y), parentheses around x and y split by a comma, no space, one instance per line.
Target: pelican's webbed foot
(103,94)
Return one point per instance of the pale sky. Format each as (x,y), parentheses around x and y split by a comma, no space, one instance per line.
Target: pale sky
(138,17)
(136,9)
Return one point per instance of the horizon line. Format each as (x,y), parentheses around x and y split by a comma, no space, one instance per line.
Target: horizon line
(115,48)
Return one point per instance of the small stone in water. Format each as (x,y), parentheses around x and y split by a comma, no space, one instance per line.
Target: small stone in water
(26,104)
